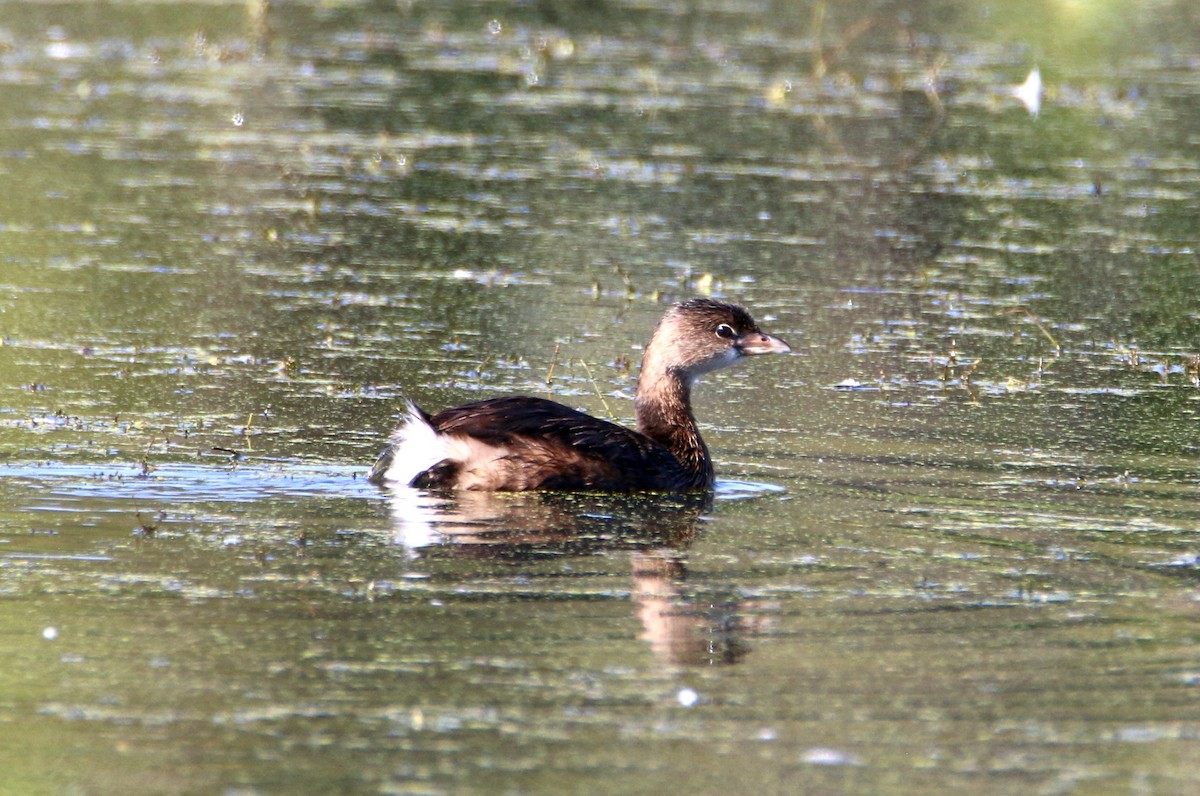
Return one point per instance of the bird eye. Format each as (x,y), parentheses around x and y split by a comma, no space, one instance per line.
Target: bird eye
(726,332)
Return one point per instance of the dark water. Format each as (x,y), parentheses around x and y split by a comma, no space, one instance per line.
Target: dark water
(954,547)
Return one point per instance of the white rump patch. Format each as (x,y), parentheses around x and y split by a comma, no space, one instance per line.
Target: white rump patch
(416,446)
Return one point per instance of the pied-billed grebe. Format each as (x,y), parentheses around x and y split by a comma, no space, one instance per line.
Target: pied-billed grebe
(523,443)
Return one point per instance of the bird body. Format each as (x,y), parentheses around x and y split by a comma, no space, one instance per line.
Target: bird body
(524,443)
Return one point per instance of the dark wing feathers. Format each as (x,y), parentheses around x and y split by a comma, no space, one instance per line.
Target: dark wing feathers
(559,448)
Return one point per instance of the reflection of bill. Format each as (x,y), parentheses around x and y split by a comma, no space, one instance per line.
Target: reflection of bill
(684,623)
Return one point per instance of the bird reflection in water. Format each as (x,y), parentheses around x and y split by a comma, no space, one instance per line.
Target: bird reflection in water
(683,623)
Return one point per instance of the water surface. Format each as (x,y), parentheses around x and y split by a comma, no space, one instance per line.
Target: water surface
(954,543)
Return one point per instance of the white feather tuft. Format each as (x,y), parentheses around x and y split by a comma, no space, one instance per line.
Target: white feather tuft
(416,446)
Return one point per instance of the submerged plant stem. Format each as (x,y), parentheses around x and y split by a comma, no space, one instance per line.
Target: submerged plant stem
(607,410)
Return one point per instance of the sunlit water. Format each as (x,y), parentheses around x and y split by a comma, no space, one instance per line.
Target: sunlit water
(954,542)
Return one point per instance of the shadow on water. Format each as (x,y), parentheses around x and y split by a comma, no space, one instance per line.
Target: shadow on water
(684,622)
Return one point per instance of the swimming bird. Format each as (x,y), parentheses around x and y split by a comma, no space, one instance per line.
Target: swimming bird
(525,443)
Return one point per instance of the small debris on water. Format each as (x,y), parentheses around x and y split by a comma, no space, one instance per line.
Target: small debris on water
(1030,92)
(819,756)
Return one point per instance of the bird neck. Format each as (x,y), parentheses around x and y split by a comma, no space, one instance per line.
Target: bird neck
(664,414)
